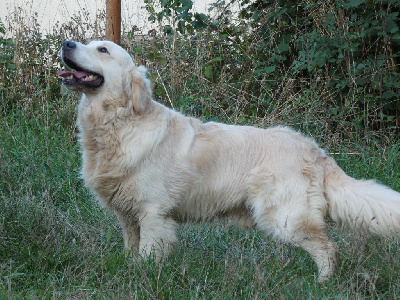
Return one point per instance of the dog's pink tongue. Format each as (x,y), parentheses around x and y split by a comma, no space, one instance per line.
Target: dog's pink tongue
(78,74)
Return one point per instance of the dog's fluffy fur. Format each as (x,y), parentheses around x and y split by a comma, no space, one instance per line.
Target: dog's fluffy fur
(155,168)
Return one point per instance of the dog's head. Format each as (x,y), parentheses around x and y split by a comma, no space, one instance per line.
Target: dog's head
(103,70)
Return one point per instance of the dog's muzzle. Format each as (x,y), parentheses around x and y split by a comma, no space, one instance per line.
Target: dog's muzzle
(81,79)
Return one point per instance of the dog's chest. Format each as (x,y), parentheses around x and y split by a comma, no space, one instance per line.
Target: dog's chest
(101,147)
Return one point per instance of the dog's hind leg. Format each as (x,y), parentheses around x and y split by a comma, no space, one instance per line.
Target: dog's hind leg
(304,231)
(313,239)
(308,227)
(293,211)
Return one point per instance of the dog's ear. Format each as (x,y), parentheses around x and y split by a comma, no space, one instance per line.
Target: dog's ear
(138,90)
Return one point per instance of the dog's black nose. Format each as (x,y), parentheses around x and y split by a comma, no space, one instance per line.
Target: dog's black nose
(69,45)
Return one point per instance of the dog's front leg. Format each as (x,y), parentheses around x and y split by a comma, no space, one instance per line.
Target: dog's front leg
(130,231)
(157,233)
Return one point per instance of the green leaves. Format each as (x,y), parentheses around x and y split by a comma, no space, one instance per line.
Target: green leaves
(209,67)
(183,5)
(270,69)
(351,46)
(156,56)
(138,49)
(208,71)
(178,12)
(352,3)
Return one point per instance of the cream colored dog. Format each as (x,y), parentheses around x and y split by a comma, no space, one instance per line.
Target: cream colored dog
(155,167)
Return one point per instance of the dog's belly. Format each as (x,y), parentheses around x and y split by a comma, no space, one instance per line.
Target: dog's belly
(206,203)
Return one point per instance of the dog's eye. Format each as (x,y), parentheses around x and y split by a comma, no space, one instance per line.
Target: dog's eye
(102,49)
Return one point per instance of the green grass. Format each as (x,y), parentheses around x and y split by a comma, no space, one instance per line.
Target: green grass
(56,242)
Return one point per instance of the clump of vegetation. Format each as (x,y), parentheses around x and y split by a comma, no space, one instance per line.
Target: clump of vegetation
(331,65)
(330,69)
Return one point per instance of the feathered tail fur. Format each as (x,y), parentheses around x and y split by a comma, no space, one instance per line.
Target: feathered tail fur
(362,204)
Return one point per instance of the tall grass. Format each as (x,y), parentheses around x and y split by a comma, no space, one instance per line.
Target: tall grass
(55,240)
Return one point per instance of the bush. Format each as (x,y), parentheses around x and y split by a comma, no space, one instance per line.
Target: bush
(338,58)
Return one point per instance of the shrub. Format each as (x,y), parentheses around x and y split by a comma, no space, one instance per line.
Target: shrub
(338,58)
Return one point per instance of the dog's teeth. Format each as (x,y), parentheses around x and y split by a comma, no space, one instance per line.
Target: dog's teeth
(89,77)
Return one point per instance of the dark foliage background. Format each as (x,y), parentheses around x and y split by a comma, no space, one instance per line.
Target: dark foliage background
(316,65)
(341,55)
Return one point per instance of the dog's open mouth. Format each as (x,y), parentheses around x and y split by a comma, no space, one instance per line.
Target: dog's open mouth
(79,77)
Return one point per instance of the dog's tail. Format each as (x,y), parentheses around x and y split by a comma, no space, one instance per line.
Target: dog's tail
(362,204)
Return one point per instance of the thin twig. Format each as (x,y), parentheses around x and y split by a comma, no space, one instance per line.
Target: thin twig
(162,82)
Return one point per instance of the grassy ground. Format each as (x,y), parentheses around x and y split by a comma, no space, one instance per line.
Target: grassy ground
(56,242)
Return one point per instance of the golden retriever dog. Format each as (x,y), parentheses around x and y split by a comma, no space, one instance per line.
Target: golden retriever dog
(155,168)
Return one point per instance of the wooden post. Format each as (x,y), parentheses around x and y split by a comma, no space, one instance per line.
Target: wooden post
(113,23)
